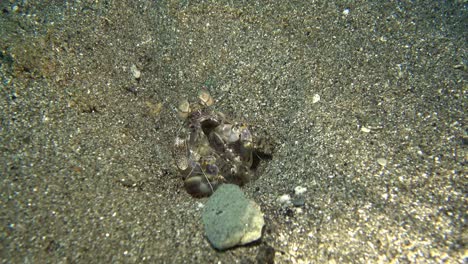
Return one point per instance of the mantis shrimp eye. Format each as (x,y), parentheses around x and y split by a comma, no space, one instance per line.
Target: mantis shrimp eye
(183,109)
(205,98)
(197,186)
(245,135)
(212,169)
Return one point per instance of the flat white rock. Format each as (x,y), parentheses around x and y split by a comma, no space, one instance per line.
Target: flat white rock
(230,219)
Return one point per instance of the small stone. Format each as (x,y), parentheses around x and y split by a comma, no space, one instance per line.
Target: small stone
(135,71)
(316,98)
(382,162)
(14,8)
(299,190)
(298,202)
(285,198)
(365,129)
(230,219)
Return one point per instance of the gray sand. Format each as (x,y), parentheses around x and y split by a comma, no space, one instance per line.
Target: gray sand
(87,174)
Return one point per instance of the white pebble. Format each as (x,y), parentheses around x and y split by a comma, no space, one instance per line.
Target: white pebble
(382,162)
(365,129)
(136,73)
(300,190)
(285,198)
(316,98)
(346,12)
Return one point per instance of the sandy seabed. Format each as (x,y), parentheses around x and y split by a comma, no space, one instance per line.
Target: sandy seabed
(366,103)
